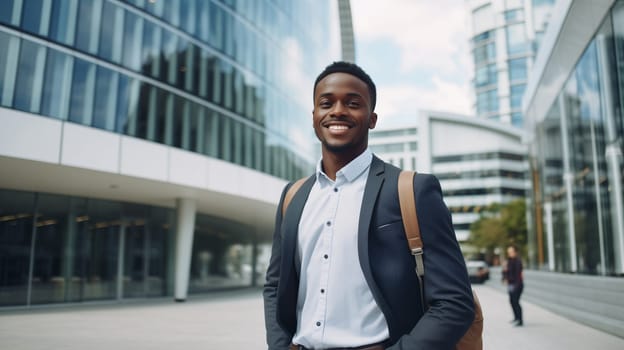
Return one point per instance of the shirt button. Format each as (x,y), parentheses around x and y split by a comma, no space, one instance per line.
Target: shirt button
(335,190)
(322,290)
(326,256)
(329,223)
(318,324)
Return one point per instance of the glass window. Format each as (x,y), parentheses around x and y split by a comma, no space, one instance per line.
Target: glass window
(88,25)
(516,39)
(171,12)
(56,85)
(170,57)
(32,12)
(217,24)
(515,100)
(82,92)
(16,230)
(486,75)
(132,35)
(8,10)
(97,249)
(9,49)
(484,53)
(203,16)
(110,48)
(123,103)
(517,69)
(151,50)
(53,229)
(187,13)
(516,119)
(514,15)
(63,21)
(105,105)
(487,101)
(29,81)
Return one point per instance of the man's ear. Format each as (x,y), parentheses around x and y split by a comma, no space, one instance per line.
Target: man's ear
(373,120)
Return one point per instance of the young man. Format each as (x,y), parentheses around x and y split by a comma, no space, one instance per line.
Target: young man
(515,284)
(341,275)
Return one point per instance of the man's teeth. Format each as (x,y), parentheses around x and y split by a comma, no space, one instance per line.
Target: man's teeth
(338,127)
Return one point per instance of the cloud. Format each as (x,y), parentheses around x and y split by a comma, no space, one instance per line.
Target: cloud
(430,34)
(403,101)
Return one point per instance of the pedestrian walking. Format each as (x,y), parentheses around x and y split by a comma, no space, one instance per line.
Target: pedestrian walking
(512,276)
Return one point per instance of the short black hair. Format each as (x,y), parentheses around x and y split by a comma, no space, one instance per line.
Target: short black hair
(353,69)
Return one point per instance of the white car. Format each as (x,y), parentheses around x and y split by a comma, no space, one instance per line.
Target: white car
(478,271)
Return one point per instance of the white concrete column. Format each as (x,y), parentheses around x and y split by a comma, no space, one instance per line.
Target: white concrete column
(568,181)
(185,228)
(550,235)
(614,161)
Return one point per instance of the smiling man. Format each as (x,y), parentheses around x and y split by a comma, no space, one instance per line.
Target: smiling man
(341,275)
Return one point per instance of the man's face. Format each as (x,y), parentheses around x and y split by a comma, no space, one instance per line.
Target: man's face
(511,252)
(342,114)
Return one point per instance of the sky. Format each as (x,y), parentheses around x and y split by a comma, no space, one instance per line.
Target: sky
(416,51)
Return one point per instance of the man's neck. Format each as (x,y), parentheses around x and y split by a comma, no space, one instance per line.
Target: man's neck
(332,162)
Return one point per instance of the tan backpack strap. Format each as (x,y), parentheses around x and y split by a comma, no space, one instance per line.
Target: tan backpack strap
(410,218)
(291,193)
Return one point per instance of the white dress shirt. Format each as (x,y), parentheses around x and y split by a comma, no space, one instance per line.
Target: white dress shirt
(335,307)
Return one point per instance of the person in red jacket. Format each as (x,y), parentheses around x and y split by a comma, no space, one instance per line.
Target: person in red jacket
(512,275)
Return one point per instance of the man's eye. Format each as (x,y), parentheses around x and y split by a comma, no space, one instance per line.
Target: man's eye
(354,104)
(325,104)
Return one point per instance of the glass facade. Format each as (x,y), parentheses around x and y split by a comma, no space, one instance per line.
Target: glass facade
(56,248)
(226,79)
(504,39)
(577,163)
(192,74)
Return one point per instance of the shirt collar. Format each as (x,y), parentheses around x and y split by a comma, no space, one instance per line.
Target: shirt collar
(349,172)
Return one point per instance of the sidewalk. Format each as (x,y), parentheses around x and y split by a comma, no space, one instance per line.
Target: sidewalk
(234,320)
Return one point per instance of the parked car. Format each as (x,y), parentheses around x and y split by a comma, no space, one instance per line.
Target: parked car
(478,271)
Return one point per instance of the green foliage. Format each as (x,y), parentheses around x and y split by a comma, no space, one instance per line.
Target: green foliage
(499,226)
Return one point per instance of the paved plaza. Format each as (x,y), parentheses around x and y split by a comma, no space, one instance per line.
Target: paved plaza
(234,320)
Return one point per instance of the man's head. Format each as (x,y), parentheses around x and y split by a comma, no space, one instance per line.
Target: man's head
(353,69)
(512,251)
(344,103)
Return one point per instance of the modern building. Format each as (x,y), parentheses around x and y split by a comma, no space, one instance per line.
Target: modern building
(478,162)
(504,38)
(397,146)
(144,143)
(574,109)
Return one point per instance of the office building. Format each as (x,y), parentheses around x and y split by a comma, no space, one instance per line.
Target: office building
(478,162)
(144,143)
(504,37)
(574,110)
(397,146)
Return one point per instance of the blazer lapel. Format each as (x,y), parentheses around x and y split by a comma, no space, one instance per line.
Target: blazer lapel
(371,191)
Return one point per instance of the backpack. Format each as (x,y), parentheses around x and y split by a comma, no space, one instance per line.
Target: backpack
(472,339)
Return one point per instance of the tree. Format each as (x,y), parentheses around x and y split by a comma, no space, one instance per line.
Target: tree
(498,226)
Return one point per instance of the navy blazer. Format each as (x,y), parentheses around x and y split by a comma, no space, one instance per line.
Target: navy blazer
(387,264)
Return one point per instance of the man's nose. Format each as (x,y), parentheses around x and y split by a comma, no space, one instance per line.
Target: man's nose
(339,109)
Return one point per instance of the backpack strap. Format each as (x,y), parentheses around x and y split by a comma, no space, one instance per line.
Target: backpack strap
(291,193)
(410,218)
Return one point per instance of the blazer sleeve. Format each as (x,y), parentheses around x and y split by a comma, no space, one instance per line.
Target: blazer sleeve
(276,337)
(447,289)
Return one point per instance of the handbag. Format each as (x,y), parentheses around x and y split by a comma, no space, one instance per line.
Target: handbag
(473,338)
